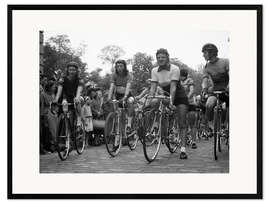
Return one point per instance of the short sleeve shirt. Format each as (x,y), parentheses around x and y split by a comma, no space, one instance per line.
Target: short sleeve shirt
(121,82)
(164,78)
(218,72)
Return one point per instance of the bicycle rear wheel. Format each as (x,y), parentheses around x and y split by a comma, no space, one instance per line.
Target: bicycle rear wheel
(172,140)
(79,138)
(113,138)
(152,136)
(63,138)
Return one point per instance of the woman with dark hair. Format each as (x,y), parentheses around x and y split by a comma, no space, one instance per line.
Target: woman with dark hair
(121,87)
(70,88)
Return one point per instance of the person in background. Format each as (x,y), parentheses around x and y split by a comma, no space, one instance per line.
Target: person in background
(88,119)
(188,84)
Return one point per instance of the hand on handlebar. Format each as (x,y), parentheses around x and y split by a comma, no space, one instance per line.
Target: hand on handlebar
(172,107)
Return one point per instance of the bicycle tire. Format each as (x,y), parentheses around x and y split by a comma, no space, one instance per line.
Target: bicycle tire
(79,136)
(111,137)
(63,138)
(215,132)
(152,136)
(172,140)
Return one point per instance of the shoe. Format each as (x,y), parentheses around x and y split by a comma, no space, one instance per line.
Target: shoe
(183,155)
(128,130)
(43,152)
(194,146)
(52,148)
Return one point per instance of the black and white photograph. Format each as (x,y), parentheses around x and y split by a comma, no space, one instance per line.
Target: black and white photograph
(144,94)
(134,103)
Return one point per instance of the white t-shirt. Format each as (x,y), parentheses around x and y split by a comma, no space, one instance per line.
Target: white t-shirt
(164,77)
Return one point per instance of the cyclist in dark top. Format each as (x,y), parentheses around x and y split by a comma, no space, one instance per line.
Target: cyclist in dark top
(216,69)
(70,88)
(167,76)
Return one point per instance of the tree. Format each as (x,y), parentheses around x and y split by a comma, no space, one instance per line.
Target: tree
(141,66)
(58,52)
(110,54)
(195,75)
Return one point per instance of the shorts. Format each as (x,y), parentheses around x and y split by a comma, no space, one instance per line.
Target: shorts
(180,100)
(121,96)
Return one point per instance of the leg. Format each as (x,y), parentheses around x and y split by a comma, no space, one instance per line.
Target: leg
(192,117)
(182,110)
(131,111)
(78,111)
(209,113)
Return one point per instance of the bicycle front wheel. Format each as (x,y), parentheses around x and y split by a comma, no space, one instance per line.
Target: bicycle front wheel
(216,132)
(173,138)
(63,138)
(79,138)
(113,138)
(152,136)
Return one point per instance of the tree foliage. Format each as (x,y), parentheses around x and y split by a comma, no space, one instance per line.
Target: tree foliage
(58,52)
(195,75)
(141,67)
(110,54)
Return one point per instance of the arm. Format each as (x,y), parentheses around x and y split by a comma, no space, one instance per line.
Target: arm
(59,92)
(205,80)
(154,82)
(127,90)
(191,91)
(205,83)
(129,81)
(144,92)
(172,91)
(79,91)
(111,91)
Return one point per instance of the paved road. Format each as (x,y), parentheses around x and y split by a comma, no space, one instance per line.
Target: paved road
(97,160)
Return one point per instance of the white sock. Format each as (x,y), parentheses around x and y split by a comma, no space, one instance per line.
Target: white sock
(129,121)
(182,149)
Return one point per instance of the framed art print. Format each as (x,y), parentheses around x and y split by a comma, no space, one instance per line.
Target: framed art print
(88,113)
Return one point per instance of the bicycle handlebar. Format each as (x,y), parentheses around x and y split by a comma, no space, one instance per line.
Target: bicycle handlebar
(158,97)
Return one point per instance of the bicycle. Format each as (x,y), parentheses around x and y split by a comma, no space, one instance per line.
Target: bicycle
(115,130)
(160,125)
(219,132)
(69,133)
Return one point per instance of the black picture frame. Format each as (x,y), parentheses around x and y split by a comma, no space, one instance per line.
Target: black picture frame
(257,195)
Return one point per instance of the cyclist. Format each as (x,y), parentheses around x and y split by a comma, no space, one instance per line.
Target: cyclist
(167,76)
(188,84)
(146,91)
(121,85)
(216,69)
(70,88)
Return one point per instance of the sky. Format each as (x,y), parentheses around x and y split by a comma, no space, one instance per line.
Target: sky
(137,36)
